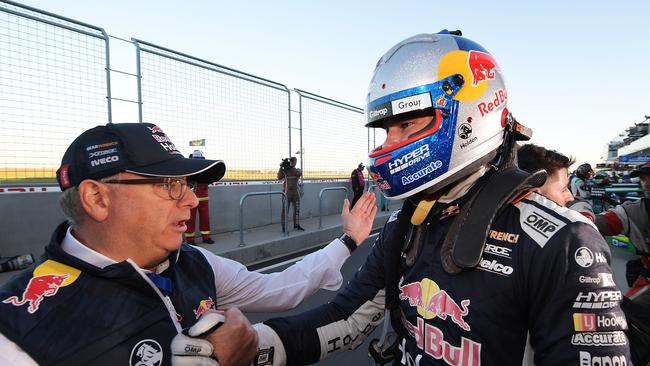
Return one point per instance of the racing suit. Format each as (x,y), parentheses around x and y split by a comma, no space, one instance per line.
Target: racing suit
(291,177)
(77,307)
(203,211)
(544,270)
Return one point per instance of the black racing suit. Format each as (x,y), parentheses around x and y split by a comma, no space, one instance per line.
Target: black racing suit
(545,270)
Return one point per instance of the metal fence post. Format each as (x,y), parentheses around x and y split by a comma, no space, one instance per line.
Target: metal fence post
(241,212)
(320,202)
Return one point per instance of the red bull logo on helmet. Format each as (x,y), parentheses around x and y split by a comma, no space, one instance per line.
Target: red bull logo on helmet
(433,302)
(477,68)
(482,66)
(48,278)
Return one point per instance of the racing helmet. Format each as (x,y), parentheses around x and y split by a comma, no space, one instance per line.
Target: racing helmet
(601,178)
(455,81)
(197,154)
(584,171)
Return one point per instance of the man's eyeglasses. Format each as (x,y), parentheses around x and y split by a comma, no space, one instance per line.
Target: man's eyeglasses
(175,187)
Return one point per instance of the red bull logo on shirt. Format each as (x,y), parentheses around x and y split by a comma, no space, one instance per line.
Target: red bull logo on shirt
(433,302)
(204,305)
(48,278)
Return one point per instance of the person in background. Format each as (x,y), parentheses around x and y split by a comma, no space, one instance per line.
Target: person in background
(202,210)
(358,183)
(383,202)
(579,182)
(117,286)
(531,158)
(291,177)
(632,219)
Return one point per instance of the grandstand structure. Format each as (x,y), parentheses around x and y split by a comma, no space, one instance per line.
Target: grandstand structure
(628,149)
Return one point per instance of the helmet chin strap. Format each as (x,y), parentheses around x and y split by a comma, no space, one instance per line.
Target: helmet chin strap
(449,194)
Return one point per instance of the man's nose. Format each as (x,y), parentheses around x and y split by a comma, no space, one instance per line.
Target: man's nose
(393,137)
(189,199)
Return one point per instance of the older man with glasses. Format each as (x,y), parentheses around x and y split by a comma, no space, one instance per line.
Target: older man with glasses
(116,286)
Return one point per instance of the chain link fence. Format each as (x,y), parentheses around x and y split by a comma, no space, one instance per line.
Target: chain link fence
(334,139)
(228,114)
(53,84)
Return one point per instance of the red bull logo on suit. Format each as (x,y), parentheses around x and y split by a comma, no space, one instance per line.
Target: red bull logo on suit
(433,302)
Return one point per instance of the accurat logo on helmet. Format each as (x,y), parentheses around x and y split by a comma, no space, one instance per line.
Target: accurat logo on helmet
(422,172)
(500,98)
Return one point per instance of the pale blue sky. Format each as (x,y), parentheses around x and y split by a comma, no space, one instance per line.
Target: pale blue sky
(576,72)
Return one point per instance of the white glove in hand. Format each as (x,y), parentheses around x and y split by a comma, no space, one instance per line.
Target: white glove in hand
(190,347)
(270,350)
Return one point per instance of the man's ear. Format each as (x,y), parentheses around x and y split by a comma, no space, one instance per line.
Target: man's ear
(94,199)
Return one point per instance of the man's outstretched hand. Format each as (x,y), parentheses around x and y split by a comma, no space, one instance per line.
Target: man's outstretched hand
(357,222)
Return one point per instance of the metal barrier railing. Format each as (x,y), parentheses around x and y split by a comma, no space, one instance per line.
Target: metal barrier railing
(320,202)
(241,212)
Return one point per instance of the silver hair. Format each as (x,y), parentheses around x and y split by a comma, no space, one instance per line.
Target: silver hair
(70,203)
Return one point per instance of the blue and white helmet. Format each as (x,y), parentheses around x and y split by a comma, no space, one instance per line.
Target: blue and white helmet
(458,83)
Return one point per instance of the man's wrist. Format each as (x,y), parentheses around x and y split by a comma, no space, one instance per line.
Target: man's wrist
(349,242)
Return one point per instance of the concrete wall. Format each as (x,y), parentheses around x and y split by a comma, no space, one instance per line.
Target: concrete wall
(28,220)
